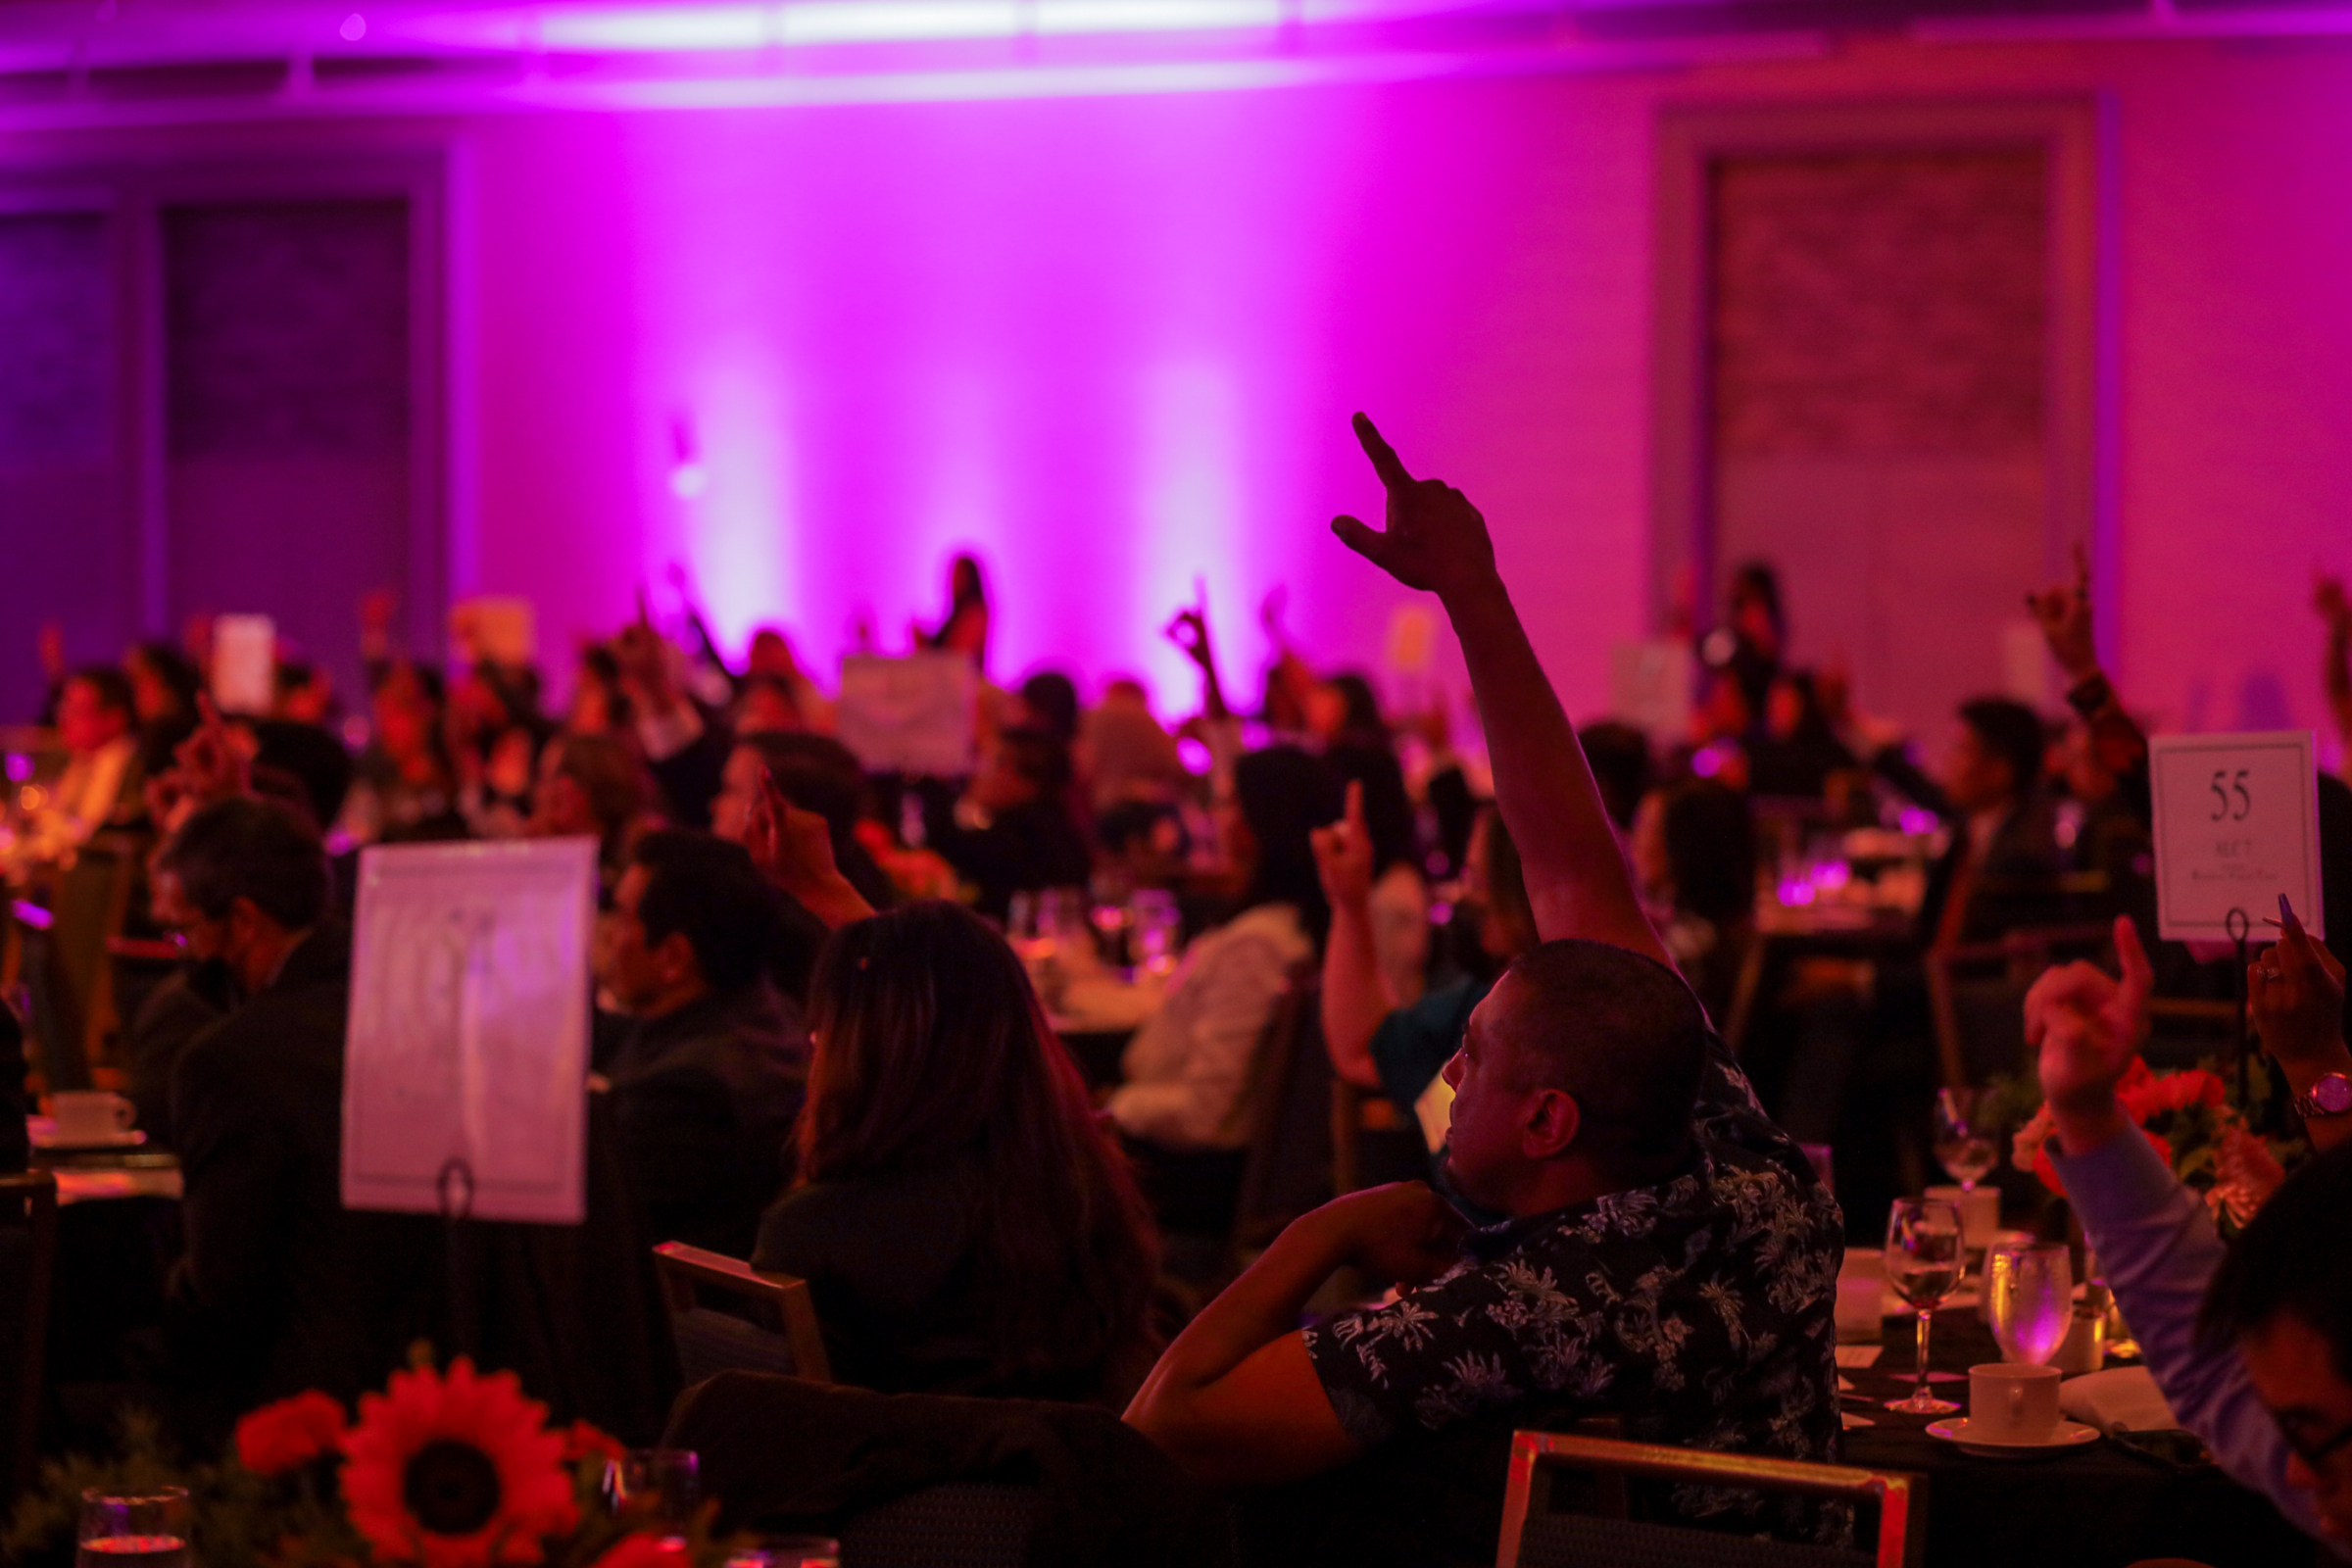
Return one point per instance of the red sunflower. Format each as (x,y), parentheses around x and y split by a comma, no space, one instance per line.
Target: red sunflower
(456,1470)
(281,1437)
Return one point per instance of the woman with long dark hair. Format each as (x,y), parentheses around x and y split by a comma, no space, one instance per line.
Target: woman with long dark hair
(964,1225)
(1188,1069)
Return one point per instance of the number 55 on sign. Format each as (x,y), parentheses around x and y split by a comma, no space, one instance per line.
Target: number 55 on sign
(2237,825)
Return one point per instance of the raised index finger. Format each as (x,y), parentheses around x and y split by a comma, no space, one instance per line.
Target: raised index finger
(1385,461)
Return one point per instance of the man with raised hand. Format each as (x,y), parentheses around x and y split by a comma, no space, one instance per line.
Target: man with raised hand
(1669,1257)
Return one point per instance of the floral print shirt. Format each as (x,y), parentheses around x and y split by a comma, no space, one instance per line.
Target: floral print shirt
(1699,1311)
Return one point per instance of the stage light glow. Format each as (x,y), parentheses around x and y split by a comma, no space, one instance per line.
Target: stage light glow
(354,28)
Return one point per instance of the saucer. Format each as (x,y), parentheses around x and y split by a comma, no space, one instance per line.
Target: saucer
(2070,1435)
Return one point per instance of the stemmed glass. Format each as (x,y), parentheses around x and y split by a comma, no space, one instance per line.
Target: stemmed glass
(1925,1258)
(2029,1298)
(1964,1144)
(1159,931)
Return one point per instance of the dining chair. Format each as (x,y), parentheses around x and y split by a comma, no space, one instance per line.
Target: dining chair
(27,1264)
(1286,1159)
(770,1324)
(1542,1526)
(1977,993)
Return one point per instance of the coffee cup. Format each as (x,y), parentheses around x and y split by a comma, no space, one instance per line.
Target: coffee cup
(1979,1212)
(90,1116)
(2012,1401)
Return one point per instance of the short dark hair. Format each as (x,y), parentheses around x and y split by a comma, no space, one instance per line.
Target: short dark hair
(2290,1259)
(2012,732)
(1051,699)
(245,848)
(1284,794)
(709,889)
(1710,832)
(1624,1035)
(111,687)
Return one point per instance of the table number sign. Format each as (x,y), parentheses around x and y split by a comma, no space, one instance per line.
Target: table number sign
(467,1060)
(2237,825)
(916,715)
(244,664)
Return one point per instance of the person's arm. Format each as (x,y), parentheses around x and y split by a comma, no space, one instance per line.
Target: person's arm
(2153,1237)
(1357,994)
(1190,632)
(2063,611)
(1577,882)
(2336,670)
(2295,997)
(1236,1400)
(794,850)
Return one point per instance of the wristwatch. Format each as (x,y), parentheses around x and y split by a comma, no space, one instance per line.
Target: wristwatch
(2331,1096)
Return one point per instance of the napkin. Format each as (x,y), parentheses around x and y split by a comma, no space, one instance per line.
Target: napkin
(2120,1398)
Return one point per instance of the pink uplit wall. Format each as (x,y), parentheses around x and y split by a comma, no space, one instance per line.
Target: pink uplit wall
(1113,344)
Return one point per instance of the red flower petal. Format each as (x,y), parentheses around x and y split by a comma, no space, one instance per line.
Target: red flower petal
(488,1413)
(281,1437)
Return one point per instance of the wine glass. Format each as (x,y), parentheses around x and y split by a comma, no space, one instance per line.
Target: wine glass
(1159,931)
(1964,1144)
(134,1532)
(1925,1258)
(2029,1298)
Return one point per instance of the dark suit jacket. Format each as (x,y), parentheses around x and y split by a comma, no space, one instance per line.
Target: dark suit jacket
(2010,888)
(281,1288)
(706,1097)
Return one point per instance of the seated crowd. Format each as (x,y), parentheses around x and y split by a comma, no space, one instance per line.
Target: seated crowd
(819,1052)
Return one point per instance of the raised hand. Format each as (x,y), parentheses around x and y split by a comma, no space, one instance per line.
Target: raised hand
(216,761)
(794,850)
(1189,630)
(2295,997)
(1436,540)
(1344,855)
(2063,611)
(2087,1027)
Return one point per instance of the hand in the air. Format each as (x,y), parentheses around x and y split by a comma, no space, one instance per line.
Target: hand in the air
(1434,539)
(1344,855)
(2295,997)
(2063,611)
(2088,1026)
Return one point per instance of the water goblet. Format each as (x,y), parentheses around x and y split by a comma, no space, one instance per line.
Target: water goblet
(2028,1298)
(1964,1144)
(1925,1258)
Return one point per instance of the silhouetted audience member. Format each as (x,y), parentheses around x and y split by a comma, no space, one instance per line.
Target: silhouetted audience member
(1399,897)
(1188,1067)
(280,1288)
(964,1225)
(709,1071)
(1012,832)
(95,719)
(1999,872)
(1695,850)
(1620,759)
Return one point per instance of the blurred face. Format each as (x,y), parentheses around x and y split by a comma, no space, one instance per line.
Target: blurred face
(2294,1372)
(558,805)
(1752,620)
(1486,1143)
(738,789)
(2087,778)
(641,978)
(999,786)
(401,719)
(765,711)
(83,720)
(770,655)
(1326,711)
(149,694)
(1973,774)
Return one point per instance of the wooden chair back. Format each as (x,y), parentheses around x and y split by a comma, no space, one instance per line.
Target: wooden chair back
(1538,1534)
(1977,992)
(772,1327)
(1270,1152)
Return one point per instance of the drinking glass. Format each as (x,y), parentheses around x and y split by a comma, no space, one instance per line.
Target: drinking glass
(1159,931)
(1964,1144)
(149,1531)
(663,1483)
(787,1551)
(2028,1298)
(1925,1258)
(1113,886)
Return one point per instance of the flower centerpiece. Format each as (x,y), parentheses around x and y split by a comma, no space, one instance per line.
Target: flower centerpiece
(2191,1118)
(455,1469)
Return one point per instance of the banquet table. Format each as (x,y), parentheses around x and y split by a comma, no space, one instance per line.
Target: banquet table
(2104,1505)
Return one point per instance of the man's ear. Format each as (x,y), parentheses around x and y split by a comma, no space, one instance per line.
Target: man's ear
(244,920)
(678,961)
(1552,1125)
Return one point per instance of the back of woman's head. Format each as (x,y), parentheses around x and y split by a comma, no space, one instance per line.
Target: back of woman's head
(1285,793)
(1360,721)
(931,1051)
(1387,806)
(1711,836)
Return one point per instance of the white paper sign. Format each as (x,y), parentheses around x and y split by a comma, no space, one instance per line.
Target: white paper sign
(1649,688)
(2238,824)
(468,1050)
(244,664)
(911,715)
(502,630)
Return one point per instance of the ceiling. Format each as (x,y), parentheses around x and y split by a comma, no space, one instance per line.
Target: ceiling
(68,61)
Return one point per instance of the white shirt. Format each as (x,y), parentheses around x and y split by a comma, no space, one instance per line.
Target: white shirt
(1188,1067)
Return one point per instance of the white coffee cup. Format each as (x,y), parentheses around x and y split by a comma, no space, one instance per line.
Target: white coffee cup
(90,1116)
(2012,1401)
(1979,1212)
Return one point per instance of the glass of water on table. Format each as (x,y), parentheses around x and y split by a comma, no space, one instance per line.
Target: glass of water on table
(1925,1260)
